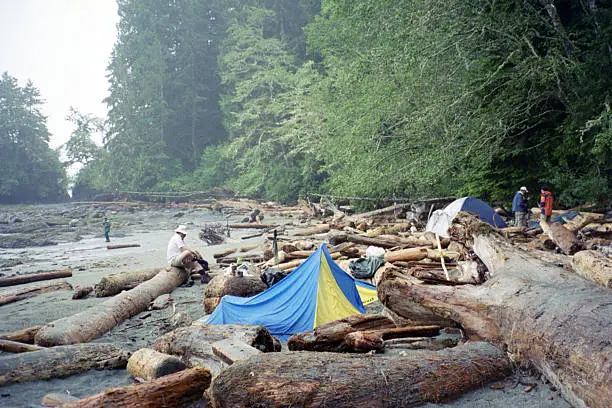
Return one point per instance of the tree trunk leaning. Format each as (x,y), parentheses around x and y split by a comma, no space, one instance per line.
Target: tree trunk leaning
(309,379)
(594,266)
(544,315)
(59,362)
(97,320)
(176,390)
(110,285)
(149,364)
(15,295)
(18,280)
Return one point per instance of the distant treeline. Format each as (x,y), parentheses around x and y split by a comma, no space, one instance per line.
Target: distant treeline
(412,98)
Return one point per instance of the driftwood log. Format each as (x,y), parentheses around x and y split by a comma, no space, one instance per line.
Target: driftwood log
(317,229)
(330,336)
(18,280)
(253,226)
(57,400)
(193,344)
(23,336)
(10,346)
(363,341)
(594,266)
(110,285)
(59,361)
(547,317)
(119,246)
(410,254)
(97,320)
(360,239)
(81,292)
(15,295)
(176,390)
(149,364)
(564,238)
(219,286)
(308,379)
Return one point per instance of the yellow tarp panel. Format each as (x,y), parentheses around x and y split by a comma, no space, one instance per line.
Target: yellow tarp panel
(331,302)
(367,295)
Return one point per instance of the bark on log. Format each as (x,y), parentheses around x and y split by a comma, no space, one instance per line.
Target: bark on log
(359,239)
(110,285)
(544,315)
(149,364)
(564,238)
(119,246)
(410,254)
(317,229)
(176,390)
(10,346)
(219,286)
(225,253)
(253,225)
(97,320)
(18,280)
(330,336)
(594,266)
(364,341)
(307,379)
(193,344)
(60,361)
(23,336)
(15,295)
(231,351)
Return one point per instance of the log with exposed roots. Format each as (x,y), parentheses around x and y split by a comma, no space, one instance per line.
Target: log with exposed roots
(547,317)
(97,320)
(59,361)
(311,379)
(110,285)
(176,390)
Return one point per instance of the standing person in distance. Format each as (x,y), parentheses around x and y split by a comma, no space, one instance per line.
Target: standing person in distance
(107,226)
(520,207)
(546,204)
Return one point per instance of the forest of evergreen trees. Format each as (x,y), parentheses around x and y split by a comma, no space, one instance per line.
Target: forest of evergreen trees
(410,98)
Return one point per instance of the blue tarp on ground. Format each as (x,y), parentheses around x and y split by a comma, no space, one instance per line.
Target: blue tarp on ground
(317,292)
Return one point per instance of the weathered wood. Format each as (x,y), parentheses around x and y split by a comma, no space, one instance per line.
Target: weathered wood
(23,336)
(410,254)
(231,351)
(252,226)
(97,320)
(221,285)
(176,390)
(81,292)
(359,239)
(18,280)
(15,295)
(224,253)
(330,336)
(594,266)
(363,341)
(59,361)
(544,315)
(149,364)
(317,229)
(110,285)
(293,264)
(10,346)
(119,246)
(57,400)
(564,238)
(307,379)
(582,220)
(193,344)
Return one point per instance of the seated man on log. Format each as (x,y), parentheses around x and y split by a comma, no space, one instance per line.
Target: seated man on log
(182,257)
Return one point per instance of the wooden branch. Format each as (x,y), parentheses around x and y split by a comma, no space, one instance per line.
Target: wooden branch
(17,280)
(317,229)
(14,295)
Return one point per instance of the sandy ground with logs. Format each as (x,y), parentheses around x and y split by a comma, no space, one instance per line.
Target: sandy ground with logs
(151,226)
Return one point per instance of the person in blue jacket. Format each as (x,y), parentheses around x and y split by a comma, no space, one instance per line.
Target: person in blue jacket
(520,207)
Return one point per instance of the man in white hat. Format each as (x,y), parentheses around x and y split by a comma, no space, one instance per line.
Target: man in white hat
(520,206)
(180,256)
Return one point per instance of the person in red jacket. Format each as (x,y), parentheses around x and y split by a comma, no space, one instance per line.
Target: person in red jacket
(546,203)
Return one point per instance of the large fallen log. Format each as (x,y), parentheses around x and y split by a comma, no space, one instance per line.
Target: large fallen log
(317,229)
(544,315)
(15,295)
(149,364)
(410,254)
(110,285)
(221,285)
(363,341)
(97,320)
(57,400)
(18,280)
(10,346)
(330,336)
(564,238)
(308,379)
(176,390)
(194,343)
(119,246)
(60,361)
(360,239)
(23,336)
(594,266)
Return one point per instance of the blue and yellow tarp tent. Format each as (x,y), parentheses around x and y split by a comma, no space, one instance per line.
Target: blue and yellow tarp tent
(317,292)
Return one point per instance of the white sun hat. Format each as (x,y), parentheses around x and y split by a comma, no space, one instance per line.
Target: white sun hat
(524,189)
(181,229)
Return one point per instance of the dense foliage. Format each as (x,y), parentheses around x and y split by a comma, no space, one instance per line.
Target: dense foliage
(277,98)
(30,171)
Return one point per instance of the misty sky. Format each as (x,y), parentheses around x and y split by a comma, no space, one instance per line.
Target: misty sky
(64,47)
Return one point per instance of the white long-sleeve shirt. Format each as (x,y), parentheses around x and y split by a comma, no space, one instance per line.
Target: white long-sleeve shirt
(174,246)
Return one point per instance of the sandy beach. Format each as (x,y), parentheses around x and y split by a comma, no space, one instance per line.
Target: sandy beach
(84,252)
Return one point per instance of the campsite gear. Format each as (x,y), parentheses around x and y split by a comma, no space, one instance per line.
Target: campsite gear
(365,268)
(440,220)
(317,292)
(272,276)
